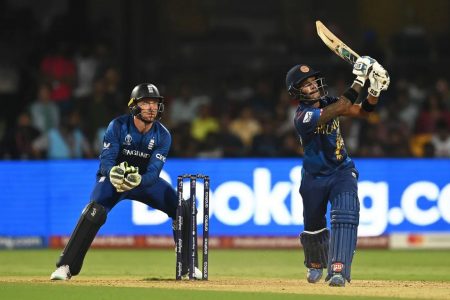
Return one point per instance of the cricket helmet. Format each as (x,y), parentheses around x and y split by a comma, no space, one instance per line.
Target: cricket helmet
(299,73)
(145,91)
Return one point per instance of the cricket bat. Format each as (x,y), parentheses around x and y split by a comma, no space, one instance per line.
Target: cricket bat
(335,44)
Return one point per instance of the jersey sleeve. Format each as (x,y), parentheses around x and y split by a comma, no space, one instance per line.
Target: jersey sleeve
(157,160)
(111,148)
(306,120)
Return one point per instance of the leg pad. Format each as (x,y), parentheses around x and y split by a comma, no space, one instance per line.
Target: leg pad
(315,246)
(92,218)
(344,229)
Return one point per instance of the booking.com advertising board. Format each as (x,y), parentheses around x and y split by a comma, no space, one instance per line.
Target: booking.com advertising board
(248,197)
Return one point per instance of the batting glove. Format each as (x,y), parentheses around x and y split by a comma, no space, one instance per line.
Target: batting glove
(362,69)
(379,80)
(117,175)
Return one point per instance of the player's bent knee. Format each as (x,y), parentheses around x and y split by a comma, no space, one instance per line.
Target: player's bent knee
(95,213)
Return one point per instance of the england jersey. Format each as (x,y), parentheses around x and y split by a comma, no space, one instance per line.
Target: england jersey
(123,142)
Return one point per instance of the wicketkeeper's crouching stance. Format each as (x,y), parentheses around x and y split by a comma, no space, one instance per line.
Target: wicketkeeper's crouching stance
(328,173)
(135,148)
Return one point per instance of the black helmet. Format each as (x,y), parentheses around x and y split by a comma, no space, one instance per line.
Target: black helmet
(144,91)
(299,73)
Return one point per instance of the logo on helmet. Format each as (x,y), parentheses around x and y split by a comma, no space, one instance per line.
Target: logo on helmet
(150,89)
(304,69)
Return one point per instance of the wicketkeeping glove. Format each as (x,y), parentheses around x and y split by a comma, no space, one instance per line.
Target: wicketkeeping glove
(362,69)
(132,180)
(379,80)
(117,175)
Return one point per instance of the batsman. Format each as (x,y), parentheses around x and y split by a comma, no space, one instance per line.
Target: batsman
(135,147)
(328,173)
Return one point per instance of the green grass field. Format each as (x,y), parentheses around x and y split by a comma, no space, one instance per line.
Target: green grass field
(234,274)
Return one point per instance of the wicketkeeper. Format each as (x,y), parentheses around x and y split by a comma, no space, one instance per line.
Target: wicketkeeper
(328,173)
(135,147)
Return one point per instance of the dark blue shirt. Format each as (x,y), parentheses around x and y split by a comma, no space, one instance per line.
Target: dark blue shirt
(323,145)
(123,142)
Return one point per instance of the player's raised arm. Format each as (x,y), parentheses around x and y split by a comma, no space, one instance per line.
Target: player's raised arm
(345,105)
(379,81)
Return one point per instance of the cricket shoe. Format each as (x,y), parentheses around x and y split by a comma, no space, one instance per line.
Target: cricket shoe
(337,280)
(197,274)
(62,273)
(314,275)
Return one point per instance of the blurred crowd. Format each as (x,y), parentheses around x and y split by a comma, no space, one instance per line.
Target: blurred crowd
(70,93)
(74,104)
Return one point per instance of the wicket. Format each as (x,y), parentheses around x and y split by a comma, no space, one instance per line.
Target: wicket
(193,244)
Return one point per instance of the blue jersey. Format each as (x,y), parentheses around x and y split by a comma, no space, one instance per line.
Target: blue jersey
(123,142)
(323,145)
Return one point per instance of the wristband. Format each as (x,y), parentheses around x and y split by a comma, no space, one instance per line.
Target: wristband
(367,106)
(351,94)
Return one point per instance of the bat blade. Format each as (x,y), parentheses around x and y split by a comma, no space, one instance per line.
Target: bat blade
(335,44)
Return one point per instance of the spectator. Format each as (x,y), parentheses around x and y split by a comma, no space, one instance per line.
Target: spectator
(65,142)
(44,112)
(407,110)
(441,139)
(204,124)
(59,69)
(443,90)
(245,126)
(113,92)
(19,141)
(231,144)
(263,99)
(184,107)
(265,143)
(96,114)
(86,66)
(432,110)
(428,150)
(183,145)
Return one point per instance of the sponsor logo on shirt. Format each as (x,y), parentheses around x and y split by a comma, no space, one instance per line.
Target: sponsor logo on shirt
(106,145)
(135,153)
(308,117)
(161,157)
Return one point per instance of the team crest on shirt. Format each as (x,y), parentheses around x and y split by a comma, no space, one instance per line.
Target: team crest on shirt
(151,144)
(128,140)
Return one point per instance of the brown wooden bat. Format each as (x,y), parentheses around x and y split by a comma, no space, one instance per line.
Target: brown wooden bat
(335,44)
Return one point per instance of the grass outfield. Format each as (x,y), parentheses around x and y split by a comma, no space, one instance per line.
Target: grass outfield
(234,274)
